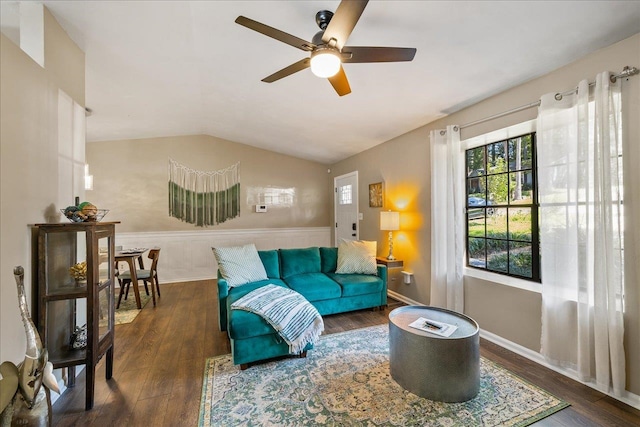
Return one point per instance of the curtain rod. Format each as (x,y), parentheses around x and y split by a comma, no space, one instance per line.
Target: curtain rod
(626,72)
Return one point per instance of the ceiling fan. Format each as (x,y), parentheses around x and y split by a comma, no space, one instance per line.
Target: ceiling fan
(328,50)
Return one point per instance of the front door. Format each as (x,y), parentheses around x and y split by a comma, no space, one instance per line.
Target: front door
(346,206)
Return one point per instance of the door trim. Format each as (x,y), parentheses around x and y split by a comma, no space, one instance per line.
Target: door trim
(335,205)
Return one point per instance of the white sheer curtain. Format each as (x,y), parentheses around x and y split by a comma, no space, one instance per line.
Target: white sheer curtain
(579,148)
(447,230)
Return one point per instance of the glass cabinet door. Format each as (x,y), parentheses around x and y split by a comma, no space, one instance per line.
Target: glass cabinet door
(66,262)
(105,303)
(105,307)
(104,265)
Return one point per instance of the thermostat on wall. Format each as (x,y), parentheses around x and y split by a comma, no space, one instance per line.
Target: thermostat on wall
(261,208)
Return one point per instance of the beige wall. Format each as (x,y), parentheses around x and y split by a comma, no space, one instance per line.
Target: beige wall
(130,178)
(63,59)
(29,162)
(403,164)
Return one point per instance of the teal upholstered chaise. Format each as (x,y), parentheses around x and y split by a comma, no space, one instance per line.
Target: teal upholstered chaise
(308,271)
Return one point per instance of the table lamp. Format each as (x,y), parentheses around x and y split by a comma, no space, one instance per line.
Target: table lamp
(390,221)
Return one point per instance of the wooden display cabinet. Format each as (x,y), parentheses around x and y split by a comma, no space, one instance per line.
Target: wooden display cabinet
(64,303)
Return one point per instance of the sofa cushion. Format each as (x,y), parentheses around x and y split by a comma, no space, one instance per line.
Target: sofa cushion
(314,286)
(358,284)
(299,261)
(357,256)
(328,260)
(271,262)
(240,264)
(243,324)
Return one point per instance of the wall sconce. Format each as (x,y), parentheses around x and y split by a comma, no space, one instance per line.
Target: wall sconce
(390,221)
(88,179)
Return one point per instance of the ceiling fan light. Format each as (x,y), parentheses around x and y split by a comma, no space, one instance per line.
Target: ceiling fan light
(325,63)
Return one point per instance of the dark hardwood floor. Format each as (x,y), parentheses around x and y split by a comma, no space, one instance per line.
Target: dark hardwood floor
(159,365)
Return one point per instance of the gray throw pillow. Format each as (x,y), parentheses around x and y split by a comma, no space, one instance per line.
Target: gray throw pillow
(240,264)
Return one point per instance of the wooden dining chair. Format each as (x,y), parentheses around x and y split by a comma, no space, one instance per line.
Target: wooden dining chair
(150,275)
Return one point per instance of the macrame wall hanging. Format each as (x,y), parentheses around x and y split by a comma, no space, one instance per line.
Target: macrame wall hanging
(204,198)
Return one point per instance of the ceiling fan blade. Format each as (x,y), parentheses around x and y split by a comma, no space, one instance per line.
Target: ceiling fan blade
(287,71)
(357,54)
(340,82)
(343,21)
(275,34)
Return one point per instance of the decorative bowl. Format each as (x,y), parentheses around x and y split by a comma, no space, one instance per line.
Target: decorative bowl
(78,217)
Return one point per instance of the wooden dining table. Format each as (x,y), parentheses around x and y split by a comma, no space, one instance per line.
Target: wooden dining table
(130,256)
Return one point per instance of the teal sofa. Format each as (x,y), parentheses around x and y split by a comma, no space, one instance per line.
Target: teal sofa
(308,271)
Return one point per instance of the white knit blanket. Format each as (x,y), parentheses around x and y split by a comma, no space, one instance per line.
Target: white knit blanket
(291,315)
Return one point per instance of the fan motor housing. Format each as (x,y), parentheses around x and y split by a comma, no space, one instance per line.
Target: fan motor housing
(323,18)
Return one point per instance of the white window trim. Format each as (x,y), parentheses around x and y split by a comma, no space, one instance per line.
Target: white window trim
(498,135)
(477,141)
(502,279)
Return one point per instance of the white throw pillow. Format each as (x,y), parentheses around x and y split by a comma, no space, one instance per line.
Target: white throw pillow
(240,264)
(357,256)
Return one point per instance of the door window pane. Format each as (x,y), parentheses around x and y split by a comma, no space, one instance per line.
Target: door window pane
(345,196)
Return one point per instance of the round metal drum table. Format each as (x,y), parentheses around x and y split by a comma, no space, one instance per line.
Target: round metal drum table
(445,369)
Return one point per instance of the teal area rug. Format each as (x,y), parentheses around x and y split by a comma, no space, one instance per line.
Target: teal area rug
(345,381)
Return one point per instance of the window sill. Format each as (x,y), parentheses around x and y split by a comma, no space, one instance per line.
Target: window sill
(503,280)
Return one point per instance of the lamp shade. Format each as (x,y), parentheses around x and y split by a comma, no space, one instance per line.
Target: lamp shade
(389,221)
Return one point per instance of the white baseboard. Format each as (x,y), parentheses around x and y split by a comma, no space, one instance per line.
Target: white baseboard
(630,399)
(55,396)
(62,386)
(402,298)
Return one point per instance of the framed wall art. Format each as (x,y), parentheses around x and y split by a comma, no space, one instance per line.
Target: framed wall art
(376,195)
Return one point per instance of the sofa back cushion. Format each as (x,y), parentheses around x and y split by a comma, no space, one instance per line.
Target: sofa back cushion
(240,264)
(299,261)
(329,259)
(271,262)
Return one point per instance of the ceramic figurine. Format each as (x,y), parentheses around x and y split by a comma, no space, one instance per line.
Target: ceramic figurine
(30,404)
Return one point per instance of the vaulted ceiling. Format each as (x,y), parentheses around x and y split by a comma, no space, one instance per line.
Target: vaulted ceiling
(164,68)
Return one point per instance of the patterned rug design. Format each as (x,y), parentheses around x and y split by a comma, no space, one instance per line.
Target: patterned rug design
(345,381)
(128,309)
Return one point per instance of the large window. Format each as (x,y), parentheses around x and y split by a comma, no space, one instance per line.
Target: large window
(502,208)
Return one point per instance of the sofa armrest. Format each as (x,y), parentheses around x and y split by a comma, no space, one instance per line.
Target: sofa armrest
(382,273)
(223,292)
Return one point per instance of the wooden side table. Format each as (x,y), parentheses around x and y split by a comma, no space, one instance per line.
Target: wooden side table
(396,263)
